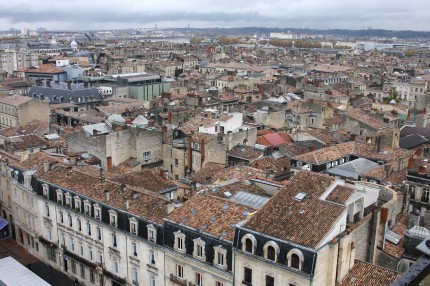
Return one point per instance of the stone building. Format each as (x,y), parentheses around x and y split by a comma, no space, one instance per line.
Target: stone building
(19,110)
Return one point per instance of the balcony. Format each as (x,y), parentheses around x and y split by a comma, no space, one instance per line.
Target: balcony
(178,280)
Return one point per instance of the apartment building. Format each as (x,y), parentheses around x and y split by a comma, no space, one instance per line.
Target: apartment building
(19,110)
(11,61)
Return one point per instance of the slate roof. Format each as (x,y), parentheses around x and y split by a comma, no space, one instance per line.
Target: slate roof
(366,274)
(306,222)
(408,130)
(60,90)
(212,215)
(411,141)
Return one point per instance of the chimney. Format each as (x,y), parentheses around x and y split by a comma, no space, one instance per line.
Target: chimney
(387,169)
(69,170)
(384,214)
(109,163)
(46,167)
(126,203)
(190,152)
(378,144)
(107,195)
(202,151)
(102,175)
(164,128)
(419,152)
(169,118)
(48,82)
(311,148)
(422,169)
(161,172)
(69,84)
(410,163)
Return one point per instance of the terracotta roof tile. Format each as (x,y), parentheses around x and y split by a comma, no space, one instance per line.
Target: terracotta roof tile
(212,215)
(366,274)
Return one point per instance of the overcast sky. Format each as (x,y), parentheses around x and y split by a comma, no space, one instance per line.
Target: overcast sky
(109,14)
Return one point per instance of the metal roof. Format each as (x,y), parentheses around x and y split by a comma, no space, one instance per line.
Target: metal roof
(353,169)
(419,231)
(102,128)
(392,237)
(249,200)
(412,141)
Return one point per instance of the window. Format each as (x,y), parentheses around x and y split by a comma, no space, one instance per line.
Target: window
(270,281)
(70,220)
(115,266)
(114,244)
(152,257)
(425,195)
(97,213)
(100,257)
(45,190)
(217,283)
(62,240)
(195,146)
(179,241)
(51,254)
(219,258)
(72,244)
(199,279)
(271,250)
(73,262)
(147,155)
(82,268)
(134,248)
(151,233)
(247,275)
(295,259)
(46,210)
(77,204)
(135,276)
(68,200)
(87,208)
(412,192)
(89,228)
(81,248)
(176,162)
(113,218)
(79,224)
(153,281)
(90,253)
(92,277)
(179,271)
(59,197)
(199,249)
(99,233)
(133,226)
(249,243)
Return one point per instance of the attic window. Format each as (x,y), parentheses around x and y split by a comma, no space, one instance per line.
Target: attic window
(300,196)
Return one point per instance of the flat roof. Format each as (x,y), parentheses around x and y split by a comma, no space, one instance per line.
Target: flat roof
(13,273)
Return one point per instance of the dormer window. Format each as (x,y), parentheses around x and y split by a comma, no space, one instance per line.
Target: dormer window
(45,190)
(271,251)
(179,244)
(133,226)
(77,204)
(113,218)
(249,243)
(59,197)
(199,249)
(295,259)
(97,212)
(68,200)
(87,207)
(220,257)
(152,233)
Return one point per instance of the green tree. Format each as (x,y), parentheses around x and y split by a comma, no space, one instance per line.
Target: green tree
(393,94)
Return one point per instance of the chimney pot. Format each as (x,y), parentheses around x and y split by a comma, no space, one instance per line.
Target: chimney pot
(107,195)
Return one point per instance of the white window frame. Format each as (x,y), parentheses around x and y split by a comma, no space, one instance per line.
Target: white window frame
(133,224)
(147,155)
(179,243)
(219,250)
(97,212)
(199,249)
(113,218)
(152,233)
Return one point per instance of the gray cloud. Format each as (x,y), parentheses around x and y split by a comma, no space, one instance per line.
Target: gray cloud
(79,14)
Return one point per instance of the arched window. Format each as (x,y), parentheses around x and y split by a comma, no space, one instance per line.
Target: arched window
(295,261)
(271,253)
(248,245)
